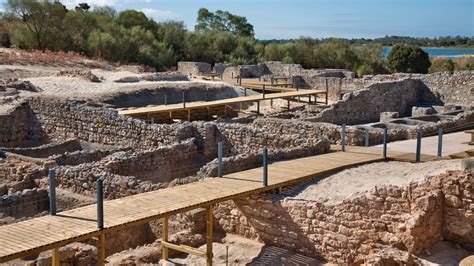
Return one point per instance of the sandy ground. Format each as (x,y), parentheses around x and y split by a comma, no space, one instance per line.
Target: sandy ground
(444,253)
(334,188)
(452,143)
(76,87)
(242,251)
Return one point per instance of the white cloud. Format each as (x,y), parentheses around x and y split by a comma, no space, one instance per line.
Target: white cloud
(160,15)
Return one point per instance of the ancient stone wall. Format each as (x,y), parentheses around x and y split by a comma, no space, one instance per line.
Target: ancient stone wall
(411,218)
(158,165)
(219,68)
(194,68)
(247,161)
(18,130)
(365,106)
(63,120)
(47,150)
(26,203)
(456,88)
(279,69)
(83,156)
(243,139)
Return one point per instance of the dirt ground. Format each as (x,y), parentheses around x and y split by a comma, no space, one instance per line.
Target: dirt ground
(334,188)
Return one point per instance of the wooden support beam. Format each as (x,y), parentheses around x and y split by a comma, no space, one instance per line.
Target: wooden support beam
(101,250)
(165,253)
(189,114)
(271,102)
(55,257)
(184,249)
(288,103)
(258,107)
(209,237)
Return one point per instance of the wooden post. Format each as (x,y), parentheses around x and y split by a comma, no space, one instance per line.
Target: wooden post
(258,107)
(189,114)
(271,102)
(209,236)
(288,103)
(55,257)
(101,250)
(165,253)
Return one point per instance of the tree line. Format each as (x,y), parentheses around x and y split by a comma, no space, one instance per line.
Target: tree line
(446,41)
(130,36)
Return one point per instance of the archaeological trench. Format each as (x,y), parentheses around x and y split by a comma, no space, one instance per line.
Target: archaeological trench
(84,138)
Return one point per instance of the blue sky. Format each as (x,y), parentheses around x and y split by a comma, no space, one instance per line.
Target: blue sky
(321,18)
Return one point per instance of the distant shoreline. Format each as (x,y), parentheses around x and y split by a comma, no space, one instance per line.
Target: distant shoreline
(442,47)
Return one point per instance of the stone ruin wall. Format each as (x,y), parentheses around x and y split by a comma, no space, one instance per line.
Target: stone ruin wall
(365,106)
(158,165)
(456,88)
(63,120)
(194,68)
(17,129)
(47,150)
(25,203)
(245,161)
(411,218)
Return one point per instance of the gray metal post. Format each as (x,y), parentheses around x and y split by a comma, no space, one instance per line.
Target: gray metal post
(152,120)
(245,91)
(219,159)
(366,136)
(263,91)
(418,146)
(184,99)
(166,100)
(240,80)
(343,139)
(385,140)
(297,86)
(440,142)
(100,204)
(265,166)
(52,191)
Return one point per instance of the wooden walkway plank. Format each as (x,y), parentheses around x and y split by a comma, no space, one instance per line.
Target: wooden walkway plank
(48,232)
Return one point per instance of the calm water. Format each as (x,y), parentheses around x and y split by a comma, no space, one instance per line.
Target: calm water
(438,52)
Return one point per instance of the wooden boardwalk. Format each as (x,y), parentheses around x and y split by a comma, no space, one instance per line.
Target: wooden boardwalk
(50,232)
(171,111)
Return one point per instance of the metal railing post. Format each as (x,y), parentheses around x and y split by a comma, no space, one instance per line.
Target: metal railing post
(385,140)
(184,99)
(100,204)
(265,166)
(366,137)
(263,91)
(219,159)
(245,92)
(52,191)
(440,142)
(166,100)
(343,138)
(418,146)
(152,120)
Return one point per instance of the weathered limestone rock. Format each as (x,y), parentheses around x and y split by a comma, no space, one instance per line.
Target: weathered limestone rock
(194,68)
(387,116)
(421,111)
